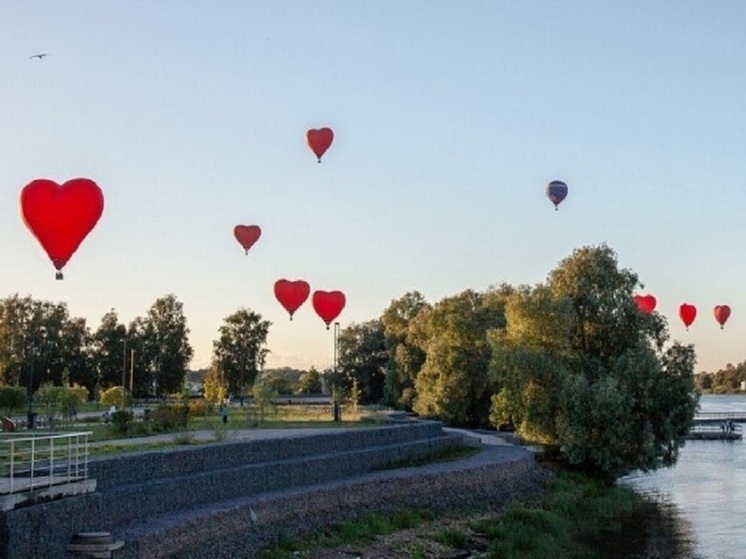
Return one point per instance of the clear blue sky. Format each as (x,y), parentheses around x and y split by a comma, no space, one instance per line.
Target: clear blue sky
(450,118)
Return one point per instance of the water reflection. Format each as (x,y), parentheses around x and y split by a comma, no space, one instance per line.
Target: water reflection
(697,508)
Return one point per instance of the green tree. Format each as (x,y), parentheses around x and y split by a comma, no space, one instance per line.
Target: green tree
(110,351)
(581,369)
(310,382)
(39,340)
(164,344)
(454,384)
(239,350)
(405,356)
(212,386)
(12,399)
(363,358)
(263,393)
(116,396)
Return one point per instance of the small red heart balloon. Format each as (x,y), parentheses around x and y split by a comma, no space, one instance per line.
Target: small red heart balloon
(247,235)
(687,314)
(60,217)
(328,305)
(291,294)
(645,303)
(722,313)
(319,141)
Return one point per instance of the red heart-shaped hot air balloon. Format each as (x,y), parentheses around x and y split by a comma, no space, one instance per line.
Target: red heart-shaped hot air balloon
(60,217)
(687,314)
(247,235)
(319,140)
(328,305)
(291,294)
(721,312)
(645,303)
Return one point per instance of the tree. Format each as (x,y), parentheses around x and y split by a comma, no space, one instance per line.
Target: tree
(12,398)
(238,351)
(212,387)
(579,368)
(405,355)
(454,384)
(110,351)
(39,339)
(363,358)
(164,344)
(310,382)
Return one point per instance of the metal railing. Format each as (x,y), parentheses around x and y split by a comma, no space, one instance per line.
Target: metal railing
(29,462)
(737,416)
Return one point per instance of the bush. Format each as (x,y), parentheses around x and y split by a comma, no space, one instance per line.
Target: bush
(12,398)
(170,418)
(198,407)
(121,421)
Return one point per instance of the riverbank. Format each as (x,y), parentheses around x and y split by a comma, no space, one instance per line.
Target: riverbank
(560,515)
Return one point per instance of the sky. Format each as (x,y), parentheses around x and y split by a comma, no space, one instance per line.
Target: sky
(450,118)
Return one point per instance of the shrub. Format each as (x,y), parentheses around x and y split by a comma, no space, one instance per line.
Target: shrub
(121,421)
(198,407)
(170,418)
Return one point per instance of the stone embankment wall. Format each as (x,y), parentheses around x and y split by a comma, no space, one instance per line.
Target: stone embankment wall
(228,499)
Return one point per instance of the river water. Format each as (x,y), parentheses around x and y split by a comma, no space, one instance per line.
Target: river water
(700,504)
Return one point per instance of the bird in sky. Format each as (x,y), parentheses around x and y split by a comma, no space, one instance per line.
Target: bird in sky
(39,56)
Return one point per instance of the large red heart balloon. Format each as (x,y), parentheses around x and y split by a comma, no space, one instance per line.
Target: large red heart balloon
(247,235)
(60,217)
(328,305)
(645,303)
(291,294)
(319,140)
(687,313)
(722,313)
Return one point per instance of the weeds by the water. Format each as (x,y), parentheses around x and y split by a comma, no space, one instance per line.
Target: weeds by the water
(359,531)
(570,520)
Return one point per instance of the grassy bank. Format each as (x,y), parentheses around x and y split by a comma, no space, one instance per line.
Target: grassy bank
(575,518)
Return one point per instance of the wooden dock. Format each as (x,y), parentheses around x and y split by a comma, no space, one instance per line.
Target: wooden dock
(714,432)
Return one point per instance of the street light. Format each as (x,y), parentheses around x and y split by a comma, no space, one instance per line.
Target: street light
(31,416)
(124,365)
(335,403)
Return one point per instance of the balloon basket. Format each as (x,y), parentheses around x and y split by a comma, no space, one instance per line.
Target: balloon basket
(58,276)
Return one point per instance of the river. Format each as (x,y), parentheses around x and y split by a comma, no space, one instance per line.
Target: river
(700,510)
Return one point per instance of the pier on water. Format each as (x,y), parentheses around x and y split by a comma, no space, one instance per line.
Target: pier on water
(718,426)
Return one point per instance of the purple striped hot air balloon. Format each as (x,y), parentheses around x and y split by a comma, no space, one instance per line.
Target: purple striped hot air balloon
(556,192)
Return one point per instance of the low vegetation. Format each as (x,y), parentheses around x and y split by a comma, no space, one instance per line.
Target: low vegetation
(576,517)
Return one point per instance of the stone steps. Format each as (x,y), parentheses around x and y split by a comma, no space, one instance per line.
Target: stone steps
(147,488)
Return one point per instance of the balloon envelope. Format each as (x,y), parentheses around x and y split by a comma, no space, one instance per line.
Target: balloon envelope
(722,313)
(556,192)
(328,305)
(645,303)
(319,141)
(291,294)
(687,314)
(61,216)
(247,235)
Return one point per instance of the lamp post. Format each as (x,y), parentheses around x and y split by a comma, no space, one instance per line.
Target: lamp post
(124,365)
(31,416)
(335,402)
(132,375)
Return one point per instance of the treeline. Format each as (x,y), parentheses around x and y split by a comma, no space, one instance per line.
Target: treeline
(570,363)
(41,344)
(723,381)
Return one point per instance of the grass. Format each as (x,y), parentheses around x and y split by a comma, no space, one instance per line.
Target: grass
(572,519)
(354,532)
(446,454)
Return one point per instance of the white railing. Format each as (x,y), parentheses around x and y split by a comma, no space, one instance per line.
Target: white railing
(29,462)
